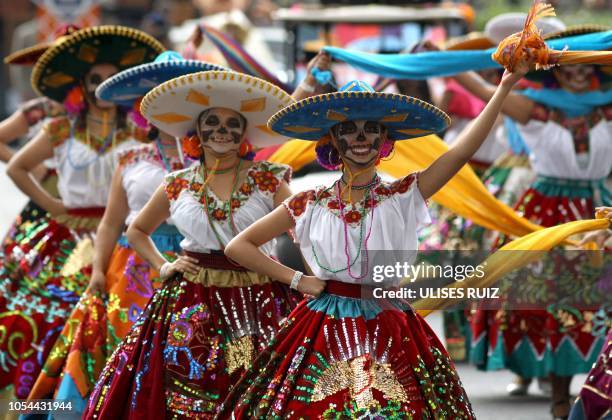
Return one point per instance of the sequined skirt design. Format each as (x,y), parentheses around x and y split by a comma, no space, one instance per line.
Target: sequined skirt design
(96,327)
(194,339)
(339,356)
(595,398)
(45,269)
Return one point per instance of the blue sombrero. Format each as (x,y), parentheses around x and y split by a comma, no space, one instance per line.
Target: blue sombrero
(131,84)
(404,117)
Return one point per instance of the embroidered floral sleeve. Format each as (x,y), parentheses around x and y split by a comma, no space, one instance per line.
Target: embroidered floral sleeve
(58,130)
(38,109)
(137,154)
(176,182)
(297,203)
(268,176)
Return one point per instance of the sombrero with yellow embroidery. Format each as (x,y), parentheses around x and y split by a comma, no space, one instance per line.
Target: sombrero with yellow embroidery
(404,117)
(471,41)
(574,30)
(174,106)
(66,62)
(602,71)
(30,55)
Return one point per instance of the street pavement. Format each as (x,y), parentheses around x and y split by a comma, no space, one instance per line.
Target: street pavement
(486,390)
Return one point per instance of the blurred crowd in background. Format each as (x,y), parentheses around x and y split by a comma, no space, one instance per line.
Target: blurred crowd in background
(253,23)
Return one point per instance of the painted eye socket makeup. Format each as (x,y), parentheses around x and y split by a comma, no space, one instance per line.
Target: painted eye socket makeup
(233,123)
(348,127)
(372,127)
(95,79)
(212,120)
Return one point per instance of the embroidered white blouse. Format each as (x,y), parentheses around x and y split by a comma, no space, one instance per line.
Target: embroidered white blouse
(551,138)
(389,220)
(84,165)
(142,172)
(206,229)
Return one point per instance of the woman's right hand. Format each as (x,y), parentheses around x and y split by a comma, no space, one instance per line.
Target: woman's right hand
(97,284)
(311,286)
(183,264)
(56,208)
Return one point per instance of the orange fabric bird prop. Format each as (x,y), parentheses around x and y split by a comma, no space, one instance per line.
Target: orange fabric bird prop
(530,41)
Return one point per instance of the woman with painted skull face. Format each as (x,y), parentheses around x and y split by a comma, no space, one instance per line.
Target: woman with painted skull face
(47,268)
(118,273)
(567,126)
(211,317)
(349,352)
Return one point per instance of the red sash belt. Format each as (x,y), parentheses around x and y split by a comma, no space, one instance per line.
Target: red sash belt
(350,290)
(215,260)
(87,212)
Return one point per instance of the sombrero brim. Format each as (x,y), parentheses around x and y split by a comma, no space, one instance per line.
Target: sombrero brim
(66,62)
(577,30)
(474,41)
(404,117)
(127,86)
(27,56)
(174,105)
(542,76)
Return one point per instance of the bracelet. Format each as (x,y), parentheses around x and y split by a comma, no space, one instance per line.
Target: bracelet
(297,276)
(163,270)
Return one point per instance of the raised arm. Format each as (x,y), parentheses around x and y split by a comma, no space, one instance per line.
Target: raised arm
(244,249)
(110,229)
(470,139)
(516,106)
(309,86)
(20,169)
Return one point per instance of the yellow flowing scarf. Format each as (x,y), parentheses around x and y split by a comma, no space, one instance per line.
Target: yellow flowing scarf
(500,263)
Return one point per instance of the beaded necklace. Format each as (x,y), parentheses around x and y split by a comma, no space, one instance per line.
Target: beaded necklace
(373,182)
(226,204)
(363,243)
(164,159)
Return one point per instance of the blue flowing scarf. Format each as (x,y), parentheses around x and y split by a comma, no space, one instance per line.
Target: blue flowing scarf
(424,65)
(447,63)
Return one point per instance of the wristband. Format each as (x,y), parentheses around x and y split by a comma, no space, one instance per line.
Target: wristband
(163,270)
(297,276)
(307,87)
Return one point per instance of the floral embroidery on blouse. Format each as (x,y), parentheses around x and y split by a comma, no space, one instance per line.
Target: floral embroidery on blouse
(59,130)
(263,176)
(579,127)
(326,197)
(147,153)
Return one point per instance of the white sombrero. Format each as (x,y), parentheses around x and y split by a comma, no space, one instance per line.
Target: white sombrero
(506,24)
(174,105)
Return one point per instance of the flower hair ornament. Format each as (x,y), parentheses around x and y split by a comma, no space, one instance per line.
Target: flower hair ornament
(137,118)
(75,101)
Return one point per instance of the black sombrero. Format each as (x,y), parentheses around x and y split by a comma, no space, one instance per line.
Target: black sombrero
(64,64)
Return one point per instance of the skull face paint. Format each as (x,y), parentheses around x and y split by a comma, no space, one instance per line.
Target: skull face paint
(221,130)
(575,78)
(96,75)
(359,142)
